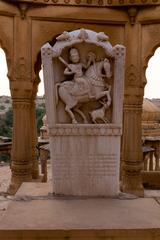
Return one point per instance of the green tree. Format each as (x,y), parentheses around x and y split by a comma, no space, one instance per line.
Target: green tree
(9,118)
(6,124)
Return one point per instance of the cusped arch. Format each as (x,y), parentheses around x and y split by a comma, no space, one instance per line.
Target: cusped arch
(37,65)
(152,74)
(152,52)
(146,61)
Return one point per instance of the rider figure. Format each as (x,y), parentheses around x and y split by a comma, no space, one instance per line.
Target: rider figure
(76,68)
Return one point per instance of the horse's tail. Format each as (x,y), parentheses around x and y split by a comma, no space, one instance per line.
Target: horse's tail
(56,92)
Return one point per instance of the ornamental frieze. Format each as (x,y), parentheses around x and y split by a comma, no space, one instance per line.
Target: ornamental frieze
(90,2)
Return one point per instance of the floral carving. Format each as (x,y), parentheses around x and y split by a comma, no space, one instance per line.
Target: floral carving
(132,76)
(21,70)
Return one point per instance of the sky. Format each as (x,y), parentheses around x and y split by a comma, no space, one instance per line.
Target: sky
(152,89)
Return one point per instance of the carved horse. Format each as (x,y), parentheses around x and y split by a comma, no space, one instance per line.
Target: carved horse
(97,85)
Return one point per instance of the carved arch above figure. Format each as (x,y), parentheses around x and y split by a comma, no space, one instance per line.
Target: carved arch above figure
(59,38)
(52,40)
(67,39)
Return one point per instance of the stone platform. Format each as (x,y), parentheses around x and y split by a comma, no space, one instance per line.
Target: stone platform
(35,214)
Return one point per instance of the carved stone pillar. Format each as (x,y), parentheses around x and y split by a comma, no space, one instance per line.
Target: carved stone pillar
(132,150)
(21,144)
(133,98)
(22,91)
(24,140)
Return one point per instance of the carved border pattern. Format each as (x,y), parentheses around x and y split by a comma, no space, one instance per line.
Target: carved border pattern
(87,129)
(21,105)
(46,51)
(133,108)
(132,168)
(102,3)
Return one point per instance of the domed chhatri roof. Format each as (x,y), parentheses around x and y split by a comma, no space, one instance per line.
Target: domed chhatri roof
(150,111)
(148,106)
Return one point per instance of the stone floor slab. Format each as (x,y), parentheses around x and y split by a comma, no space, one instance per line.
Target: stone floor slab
(39,211)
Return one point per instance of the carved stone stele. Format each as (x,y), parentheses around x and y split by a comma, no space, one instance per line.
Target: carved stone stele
(84,78)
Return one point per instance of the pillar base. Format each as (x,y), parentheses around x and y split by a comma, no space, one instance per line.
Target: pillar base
(133,185)
(16,183)
(138,192)
(13,188)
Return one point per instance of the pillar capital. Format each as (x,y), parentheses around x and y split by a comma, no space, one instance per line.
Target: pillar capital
(21,90)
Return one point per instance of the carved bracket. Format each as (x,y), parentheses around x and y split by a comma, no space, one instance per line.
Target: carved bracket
(23,7)
(132,13)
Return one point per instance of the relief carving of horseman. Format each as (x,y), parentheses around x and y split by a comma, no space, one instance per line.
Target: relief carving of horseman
(88,84)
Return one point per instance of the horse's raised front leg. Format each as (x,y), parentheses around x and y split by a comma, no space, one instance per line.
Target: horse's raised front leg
(81,114)
(68,110)
(105,94)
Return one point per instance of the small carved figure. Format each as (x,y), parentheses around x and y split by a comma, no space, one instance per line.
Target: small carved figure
(100,113)
(64,36)
(101,36)
(76,68)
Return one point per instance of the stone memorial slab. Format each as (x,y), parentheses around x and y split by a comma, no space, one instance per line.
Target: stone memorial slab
(84,77)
